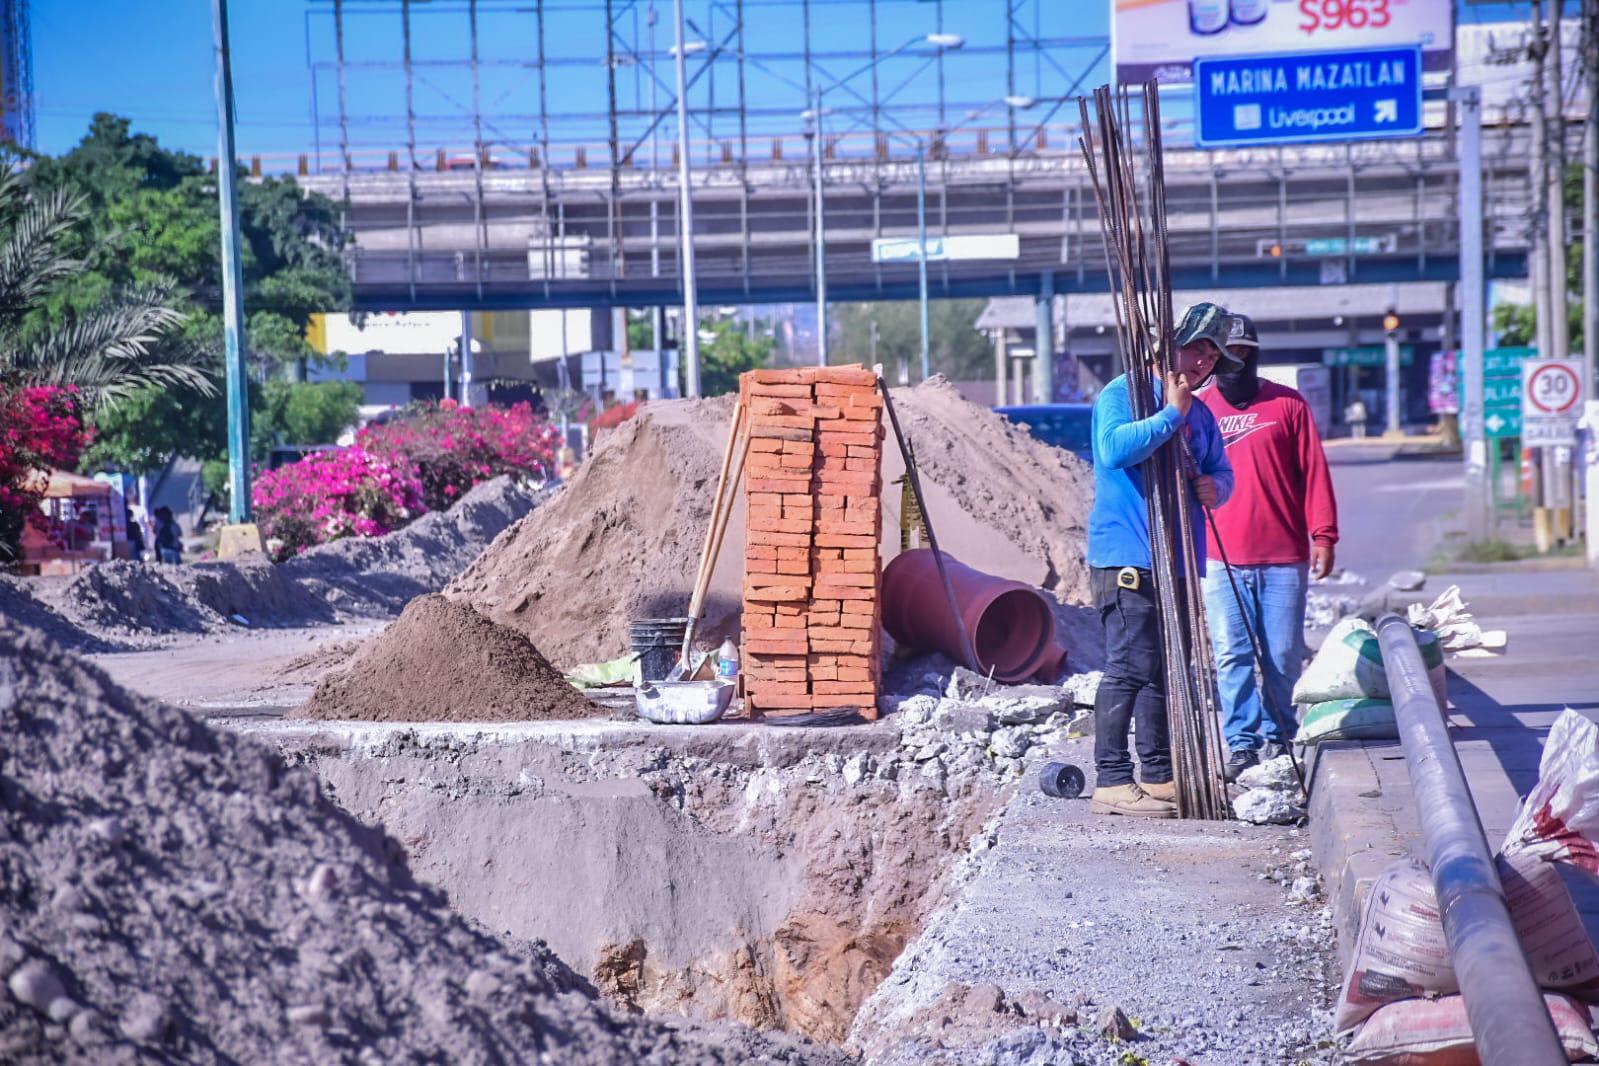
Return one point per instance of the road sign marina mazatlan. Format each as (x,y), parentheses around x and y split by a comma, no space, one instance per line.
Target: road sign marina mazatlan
(1278,99)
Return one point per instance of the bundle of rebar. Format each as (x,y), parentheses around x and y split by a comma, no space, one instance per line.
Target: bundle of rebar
(1133,225)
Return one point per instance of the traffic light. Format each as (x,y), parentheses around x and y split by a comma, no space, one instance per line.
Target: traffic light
(1390,321)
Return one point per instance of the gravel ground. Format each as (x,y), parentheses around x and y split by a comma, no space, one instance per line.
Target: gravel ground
(1059,918)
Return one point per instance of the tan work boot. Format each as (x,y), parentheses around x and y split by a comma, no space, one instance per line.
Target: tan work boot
(1131,801)
(1165,791)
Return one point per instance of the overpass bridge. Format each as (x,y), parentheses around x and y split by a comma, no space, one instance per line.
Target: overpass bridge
(481,232)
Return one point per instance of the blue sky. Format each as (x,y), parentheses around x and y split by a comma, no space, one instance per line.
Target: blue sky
(151,61)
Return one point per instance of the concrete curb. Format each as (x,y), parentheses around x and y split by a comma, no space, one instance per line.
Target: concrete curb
(1353,832)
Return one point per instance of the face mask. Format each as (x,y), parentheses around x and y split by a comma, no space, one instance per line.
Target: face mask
(1238,384)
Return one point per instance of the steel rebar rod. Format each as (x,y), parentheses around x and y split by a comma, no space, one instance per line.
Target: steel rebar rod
(1509,1020)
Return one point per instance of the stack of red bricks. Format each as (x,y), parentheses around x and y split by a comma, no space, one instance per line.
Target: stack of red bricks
(811,571)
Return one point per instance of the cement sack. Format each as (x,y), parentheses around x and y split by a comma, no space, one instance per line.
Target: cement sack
(1349,666)
(1359,719)
(1435,1032)
(1401,952)
(1549,867)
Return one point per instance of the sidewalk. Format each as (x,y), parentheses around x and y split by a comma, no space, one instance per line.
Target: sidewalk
(1362,811)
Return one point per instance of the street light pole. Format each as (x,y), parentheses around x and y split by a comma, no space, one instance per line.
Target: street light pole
(689,332)
(921,247)
(232,280)
(821,242)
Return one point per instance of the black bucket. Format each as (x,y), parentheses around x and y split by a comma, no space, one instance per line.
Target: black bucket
(1062,780)
(658,644)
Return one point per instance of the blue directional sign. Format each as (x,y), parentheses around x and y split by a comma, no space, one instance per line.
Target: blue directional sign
(1321,96)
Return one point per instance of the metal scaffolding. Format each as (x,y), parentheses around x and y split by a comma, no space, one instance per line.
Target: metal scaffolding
(539,165)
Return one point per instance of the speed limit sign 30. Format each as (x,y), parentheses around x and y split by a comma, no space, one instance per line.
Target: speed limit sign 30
(1551,402)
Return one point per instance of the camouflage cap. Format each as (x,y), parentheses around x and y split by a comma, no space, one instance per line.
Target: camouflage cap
(1206,322)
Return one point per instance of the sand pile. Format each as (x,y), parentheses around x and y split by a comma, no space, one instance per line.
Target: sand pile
(622,540)
(172,893)
(346,579)
(442,661)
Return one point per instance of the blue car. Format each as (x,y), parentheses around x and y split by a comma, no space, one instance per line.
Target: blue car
(1065,425)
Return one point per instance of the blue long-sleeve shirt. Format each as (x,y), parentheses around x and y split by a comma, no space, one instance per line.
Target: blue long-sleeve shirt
(1118,526)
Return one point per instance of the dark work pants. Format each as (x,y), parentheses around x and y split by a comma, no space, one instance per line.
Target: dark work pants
(1133,686)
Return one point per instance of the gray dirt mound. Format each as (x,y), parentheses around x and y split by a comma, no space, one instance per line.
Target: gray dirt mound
(171,893)
(442,661)
(19,606)
(622,540)
(356,578)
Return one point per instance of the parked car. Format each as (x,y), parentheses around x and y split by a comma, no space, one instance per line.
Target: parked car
(1065,425)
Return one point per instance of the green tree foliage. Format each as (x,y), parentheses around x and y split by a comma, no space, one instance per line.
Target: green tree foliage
(729,353)
(109,343)
(955,348)
(152,216)
(1517,324)
(292,412)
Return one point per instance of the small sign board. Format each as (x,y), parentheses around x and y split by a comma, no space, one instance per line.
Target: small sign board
(1551,402)
(940,249)
(1365,355)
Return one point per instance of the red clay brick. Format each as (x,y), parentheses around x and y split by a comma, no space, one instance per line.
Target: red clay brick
(779,525)
(785,390)
(784,433)
(782,540)
(836,540)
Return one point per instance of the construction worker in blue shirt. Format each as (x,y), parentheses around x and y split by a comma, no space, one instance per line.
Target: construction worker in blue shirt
(1133,686)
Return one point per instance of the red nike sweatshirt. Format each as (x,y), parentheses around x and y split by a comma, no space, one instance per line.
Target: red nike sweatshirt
(1283,495)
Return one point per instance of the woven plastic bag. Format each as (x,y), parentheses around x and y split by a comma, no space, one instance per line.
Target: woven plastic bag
(1348,666)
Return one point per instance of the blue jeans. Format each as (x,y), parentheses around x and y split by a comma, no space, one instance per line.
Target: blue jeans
(1274,607)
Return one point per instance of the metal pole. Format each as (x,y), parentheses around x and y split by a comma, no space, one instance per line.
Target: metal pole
(921,250)
(1509,1021)
(1473,314)
(1590,207)
(1590,269)
(821,246)
(690,339)
(1554,99)
(1044,344)
(232,279)
(1391,341)
(466,359)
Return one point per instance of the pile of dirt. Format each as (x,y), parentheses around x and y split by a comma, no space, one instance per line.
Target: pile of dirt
(622,540)
(172,893)
(21,607)
(444,662)
(355,578)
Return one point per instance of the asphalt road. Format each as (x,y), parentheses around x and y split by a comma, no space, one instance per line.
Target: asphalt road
(1391,511)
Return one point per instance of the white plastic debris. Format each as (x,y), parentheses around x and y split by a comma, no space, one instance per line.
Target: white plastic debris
(1450,618)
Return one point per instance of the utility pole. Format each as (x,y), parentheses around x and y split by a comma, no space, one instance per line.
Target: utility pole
(1590,276)
(1473,314)
(1555,107)
(821,243)
(467,364)
(921,251)
(689,336)
(1044,346)
(237,384)
(1390,326)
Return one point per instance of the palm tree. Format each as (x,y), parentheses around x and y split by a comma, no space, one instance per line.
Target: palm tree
(109,350)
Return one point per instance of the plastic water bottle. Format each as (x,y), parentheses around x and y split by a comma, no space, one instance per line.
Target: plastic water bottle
(1249,12)
(1207,16)
(727,661)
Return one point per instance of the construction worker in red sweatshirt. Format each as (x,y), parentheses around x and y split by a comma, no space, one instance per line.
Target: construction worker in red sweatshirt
(1277,530)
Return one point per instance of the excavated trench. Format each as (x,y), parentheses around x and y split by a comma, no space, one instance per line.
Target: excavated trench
(768,875)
